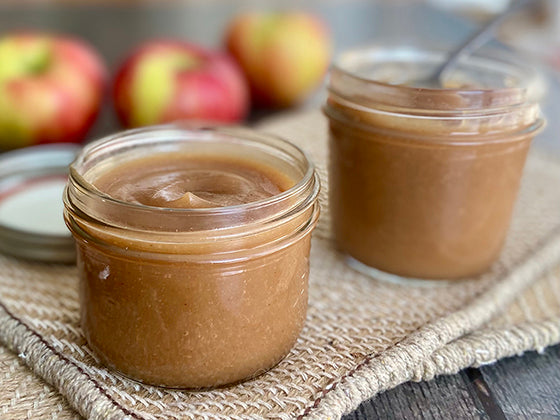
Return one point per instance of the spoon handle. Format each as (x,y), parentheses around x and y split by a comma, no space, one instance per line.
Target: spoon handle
(479,38)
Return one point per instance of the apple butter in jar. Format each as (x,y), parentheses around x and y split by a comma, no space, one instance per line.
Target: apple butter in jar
(193,251)
(422,181)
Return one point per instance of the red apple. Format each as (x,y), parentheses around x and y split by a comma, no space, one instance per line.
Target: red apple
(284,55)
(171,80)
(51,88)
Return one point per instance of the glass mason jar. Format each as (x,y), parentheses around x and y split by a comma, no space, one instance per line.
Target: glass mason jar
(423,181)
(199,297)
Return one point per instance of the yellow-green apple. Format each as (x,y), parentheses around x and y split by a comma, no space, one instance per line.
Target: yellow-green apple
(51,89)
(284,55)
(169,80)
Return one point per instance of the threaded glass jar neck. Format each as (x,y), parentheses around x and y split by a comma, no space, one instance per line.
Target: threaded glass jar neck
(392,76)
(94,207)
(485,94)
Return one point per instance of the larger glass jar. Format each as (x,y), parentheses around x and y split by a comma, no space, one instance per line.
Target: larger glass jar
(192,297)
(422,180)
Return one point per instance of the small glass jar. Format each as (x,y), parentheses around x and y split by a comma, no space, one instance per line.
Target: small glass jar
(422,181)
(192,298)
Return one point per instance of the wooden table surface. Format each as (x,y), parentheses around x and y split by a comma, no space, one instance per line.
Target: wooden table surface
(526,387)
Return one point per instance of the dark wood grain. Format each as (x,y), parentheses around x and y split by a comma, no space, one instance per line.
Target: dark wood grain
(445,397)
(485,394)
(527,387)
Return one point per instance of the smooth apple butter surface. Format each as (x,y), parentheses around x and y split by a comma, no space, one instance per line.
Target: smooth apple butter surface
(186,181)
(199,278)
(422,182)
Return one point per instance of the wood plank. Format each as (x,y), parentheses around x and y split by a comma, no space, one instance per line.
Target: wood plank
(527,387)
(444,397)
(485,395)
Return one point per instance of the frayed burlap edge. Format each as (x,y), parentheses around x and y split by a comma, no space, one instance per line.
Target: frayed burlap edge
(439,347)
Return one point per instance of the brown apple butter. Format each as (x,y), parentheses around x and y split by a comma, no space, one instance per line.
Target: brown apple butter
(193,251)
(423,181)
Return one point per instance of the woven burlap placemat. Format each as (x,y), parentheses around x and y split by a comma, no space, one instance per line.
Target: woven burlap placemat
(361,336)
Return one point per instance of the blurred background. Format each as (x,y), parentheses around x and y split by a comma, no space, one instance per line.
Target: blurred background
(114,28)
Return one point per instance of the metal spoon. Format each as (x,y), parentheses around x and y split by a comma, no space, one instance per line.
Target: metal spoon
(476,41)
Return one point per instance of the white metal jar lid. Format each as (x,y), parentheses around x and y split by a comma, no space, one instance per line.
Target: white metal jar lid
(32,181)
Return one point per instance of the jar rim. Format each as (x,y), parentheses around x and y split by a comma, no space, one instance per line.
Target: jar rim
(521,81)
(185,129)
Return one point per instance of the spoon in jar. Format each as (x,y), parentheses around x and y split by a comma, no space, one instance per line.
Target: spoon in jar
(476,41)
